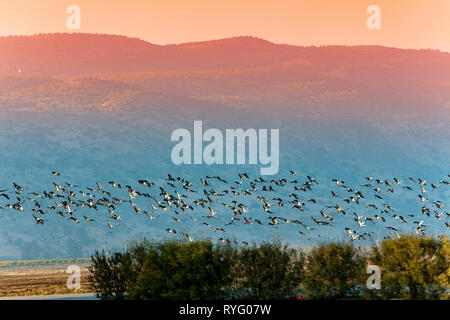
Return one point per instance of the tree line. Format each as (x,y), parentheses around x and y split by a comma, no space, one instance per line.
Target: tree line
(411,267)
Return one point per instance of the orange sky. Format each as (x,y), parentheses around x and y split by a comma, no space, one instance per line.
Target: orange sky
(405,23)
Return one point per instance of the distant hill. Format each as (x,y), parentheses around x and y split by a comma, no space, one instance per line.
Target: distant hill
(77,53)
(88,71)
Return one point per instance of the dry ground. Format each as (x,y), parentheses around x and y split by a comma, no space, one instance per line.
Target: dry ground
(26,281)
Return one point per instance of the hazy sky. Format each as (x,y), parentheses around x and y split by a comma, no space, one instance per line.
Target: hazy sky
(404,23)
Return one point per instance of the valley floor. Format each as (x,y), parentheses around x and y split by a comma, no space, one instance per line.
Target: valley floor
(35,281)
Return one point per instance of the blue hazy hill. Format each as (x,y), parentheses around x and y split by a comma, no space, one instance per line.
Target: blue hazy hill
(97,128)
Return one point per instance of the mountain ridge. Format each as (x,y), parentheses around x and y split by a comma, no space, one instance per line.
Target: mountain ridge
(82,53)
(237,38)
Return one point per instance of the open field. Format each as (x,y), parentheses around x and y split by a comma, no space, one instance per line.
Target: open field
(40,277)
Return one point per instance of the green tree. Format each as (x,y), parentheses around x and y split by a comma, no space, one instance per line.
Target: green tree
(334,271)
(176,270)
(413,267)
(270,271)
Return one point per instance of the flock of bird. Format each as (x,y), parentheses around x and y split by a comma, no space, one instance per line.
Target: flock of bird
(218,204)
